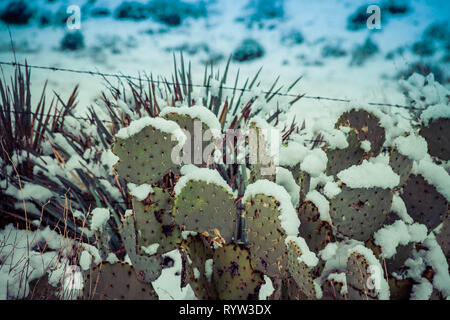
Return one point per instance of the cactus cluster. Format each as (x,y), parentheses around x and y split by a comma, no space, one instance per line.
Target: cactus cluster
(231,243)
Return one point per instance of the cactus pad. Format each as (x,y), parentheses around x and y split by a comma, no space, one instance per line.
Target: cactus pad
(199,252)
(264,168)
(233,275)
(437,134)
(443,237)
(317,233)
(401,165)
(148,268)
(116,282)
(423,202)
(340,159)
(266,236)
(367,127)
(400,289)
(333,289)
(146,156)
(357,276)
(359,212)
(155,222)
(300,271)
(206,207)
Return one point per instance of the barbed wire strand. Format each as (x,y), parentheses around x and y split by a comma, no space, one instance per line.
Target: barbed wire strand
(128,77)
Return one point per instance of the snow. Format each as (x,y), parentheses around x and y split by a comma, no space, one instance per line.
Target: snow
(196,273)
(151,249)
(433,174)
(322,204)
(140,192)
(336,139)
(435,112)
(209,269)
(267,289)
(369,175)
(315,162)
(272,137)
(399,207)
(422,290)
(292,154)
(112,258)
(307,257)
(85,260)
(285,179)
(365,145)
(109,159)
(99,218)
(199,112)
(288,216)
(382,290)
(204,175)
(185,234)
(329,251)
(167,286)
(398,233)
(341,278)
(161,124)
(412,146)
(331,189)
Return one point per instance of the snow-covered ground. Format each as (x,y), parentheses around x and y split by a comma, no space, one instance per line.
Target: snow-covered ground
(130,46)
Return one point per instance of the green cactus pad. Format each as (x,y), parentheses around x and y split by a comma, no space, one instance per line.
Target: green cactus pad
(116,282)
(367,128)
(443,238)
(304,182)
(145,157)
(423,202)
(199,252)
(233,275)
(148,268)
(437,134)
(357,277)
(396,262)
(358,213)
(206,207)
(266,236)
(340,159)
(401,165)
(155,222)
(400,289)
(300,271)
(317,233)
(187,123)
(292,290)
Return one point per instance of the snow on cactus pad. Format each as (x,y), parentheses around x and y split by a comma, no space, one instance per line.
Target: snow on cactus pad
(147,149)
(367,127)
(116,282)
(300,263)
(365,276)
(270,218)
(205,203)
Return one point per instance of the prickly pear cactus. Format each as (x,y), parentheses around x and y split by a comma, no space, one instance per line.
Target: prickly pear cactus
(264,166)
(400,289)
(200,258)
(335,287)
(233,274)
(300,272)
(317,233)
(437,134)
(266,236)
(367,127)
(148,267)
(340,159)
(155,222)
(116,282)
(146,156)
(357,275)
(358,213)
(443,237)
(206,207)
(423,202)
(401,165)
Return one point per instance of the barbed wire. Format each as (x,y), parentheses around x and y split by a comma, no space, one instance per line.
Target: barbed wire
(128,77)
